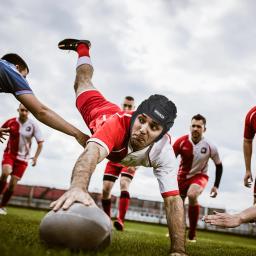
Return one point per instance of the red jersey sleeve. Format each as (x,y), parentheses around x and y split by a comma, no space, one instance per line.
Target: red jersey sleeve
(250,124)
(176,147)
(178,144)
(6,124)
(112,134)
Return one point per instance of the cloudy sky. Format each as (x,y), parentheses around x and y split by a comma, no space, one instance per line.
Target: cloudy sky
(201,54)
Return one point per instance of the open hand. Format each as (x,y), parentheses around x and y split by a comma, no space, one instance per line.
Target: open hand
(34,161)
(71,196)
(248,179)
(4,132)
(223,220)
(214,192)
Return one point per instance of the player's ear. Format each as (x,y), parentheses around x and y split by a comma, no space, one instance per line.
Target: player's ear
(18,67)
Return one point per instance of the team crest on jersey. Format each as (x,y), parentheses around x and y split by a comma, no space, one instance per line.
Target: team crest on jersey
(203,150)
(28,129)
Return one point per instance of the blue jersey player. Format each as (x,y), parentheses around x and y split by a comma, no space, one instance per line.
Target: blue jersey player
(13,72)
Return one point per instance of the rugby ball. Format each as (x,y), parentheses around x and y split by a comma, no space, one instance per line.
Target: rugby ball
(79,227)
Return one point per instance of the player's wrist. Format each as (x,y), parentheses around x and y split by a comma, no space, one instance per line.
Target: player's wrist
(78,187)
(241,218)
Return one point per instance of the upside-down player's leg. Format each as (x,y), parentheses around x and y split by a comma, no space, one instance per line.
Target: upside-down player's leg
(90,102)
(254,192)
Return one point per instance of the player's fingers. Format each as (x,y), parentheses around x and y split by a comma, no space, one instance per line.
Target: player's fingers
(58,203)
(208,218)
(218,213)
(92,202)
(86,202)
(52,204)
(205,218)
(68,202)
(213,194)
(247,183)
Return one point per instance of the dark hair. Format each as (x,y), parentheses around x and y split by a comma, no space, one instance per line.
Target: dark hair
(16,60)
(199,117)
(129,98)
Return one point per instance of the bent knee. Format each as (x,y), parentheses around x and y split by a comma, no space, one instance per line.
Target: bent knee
(125,183)
(6,171)
(106,192)
(192,195)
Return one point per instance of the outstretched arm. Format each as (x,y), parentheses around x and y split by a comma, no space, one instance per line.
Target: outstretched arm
(82,172)
(176,225)
(50,118)
(219,170)
(226,220)
(247,148)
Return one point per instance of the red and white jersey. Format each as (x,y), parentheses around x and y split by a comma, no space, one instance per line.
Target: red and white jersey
(250,124)
(20,138)
(114,134)
(194,157)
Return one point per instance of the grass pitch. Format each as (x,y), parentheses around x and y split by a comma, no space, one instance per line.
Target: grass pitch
(19,236)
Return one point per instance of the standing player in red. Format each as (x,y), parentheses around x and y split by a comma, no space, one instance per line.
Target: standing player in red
(111,174)
(16,154)
(249,133)
(195,152)
(135,139)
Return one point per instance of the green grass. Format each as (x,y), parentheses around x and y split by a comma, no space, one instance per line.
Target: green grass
(19,236)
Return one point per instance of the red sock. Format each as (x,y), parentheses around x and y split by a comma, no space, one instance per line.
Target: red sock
(193,215)
(123,204)
(254,192)
(83,50)
(2,186)
(106,205)
(6,197)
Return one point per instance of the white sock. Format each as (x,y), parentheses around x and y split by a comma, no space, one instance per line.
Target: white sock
(83,60)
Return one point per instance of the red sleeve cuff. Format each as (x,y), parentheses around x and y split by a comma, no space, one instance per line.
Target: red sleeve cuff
(170,193)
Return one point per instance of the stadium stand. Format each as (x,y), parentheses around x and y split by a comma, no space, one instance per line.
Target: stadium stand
(139,210)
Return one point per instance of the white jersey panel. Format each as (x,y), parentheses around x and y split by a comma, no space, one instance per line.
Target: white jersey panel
(202,151)
(27,131)
(161,157)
